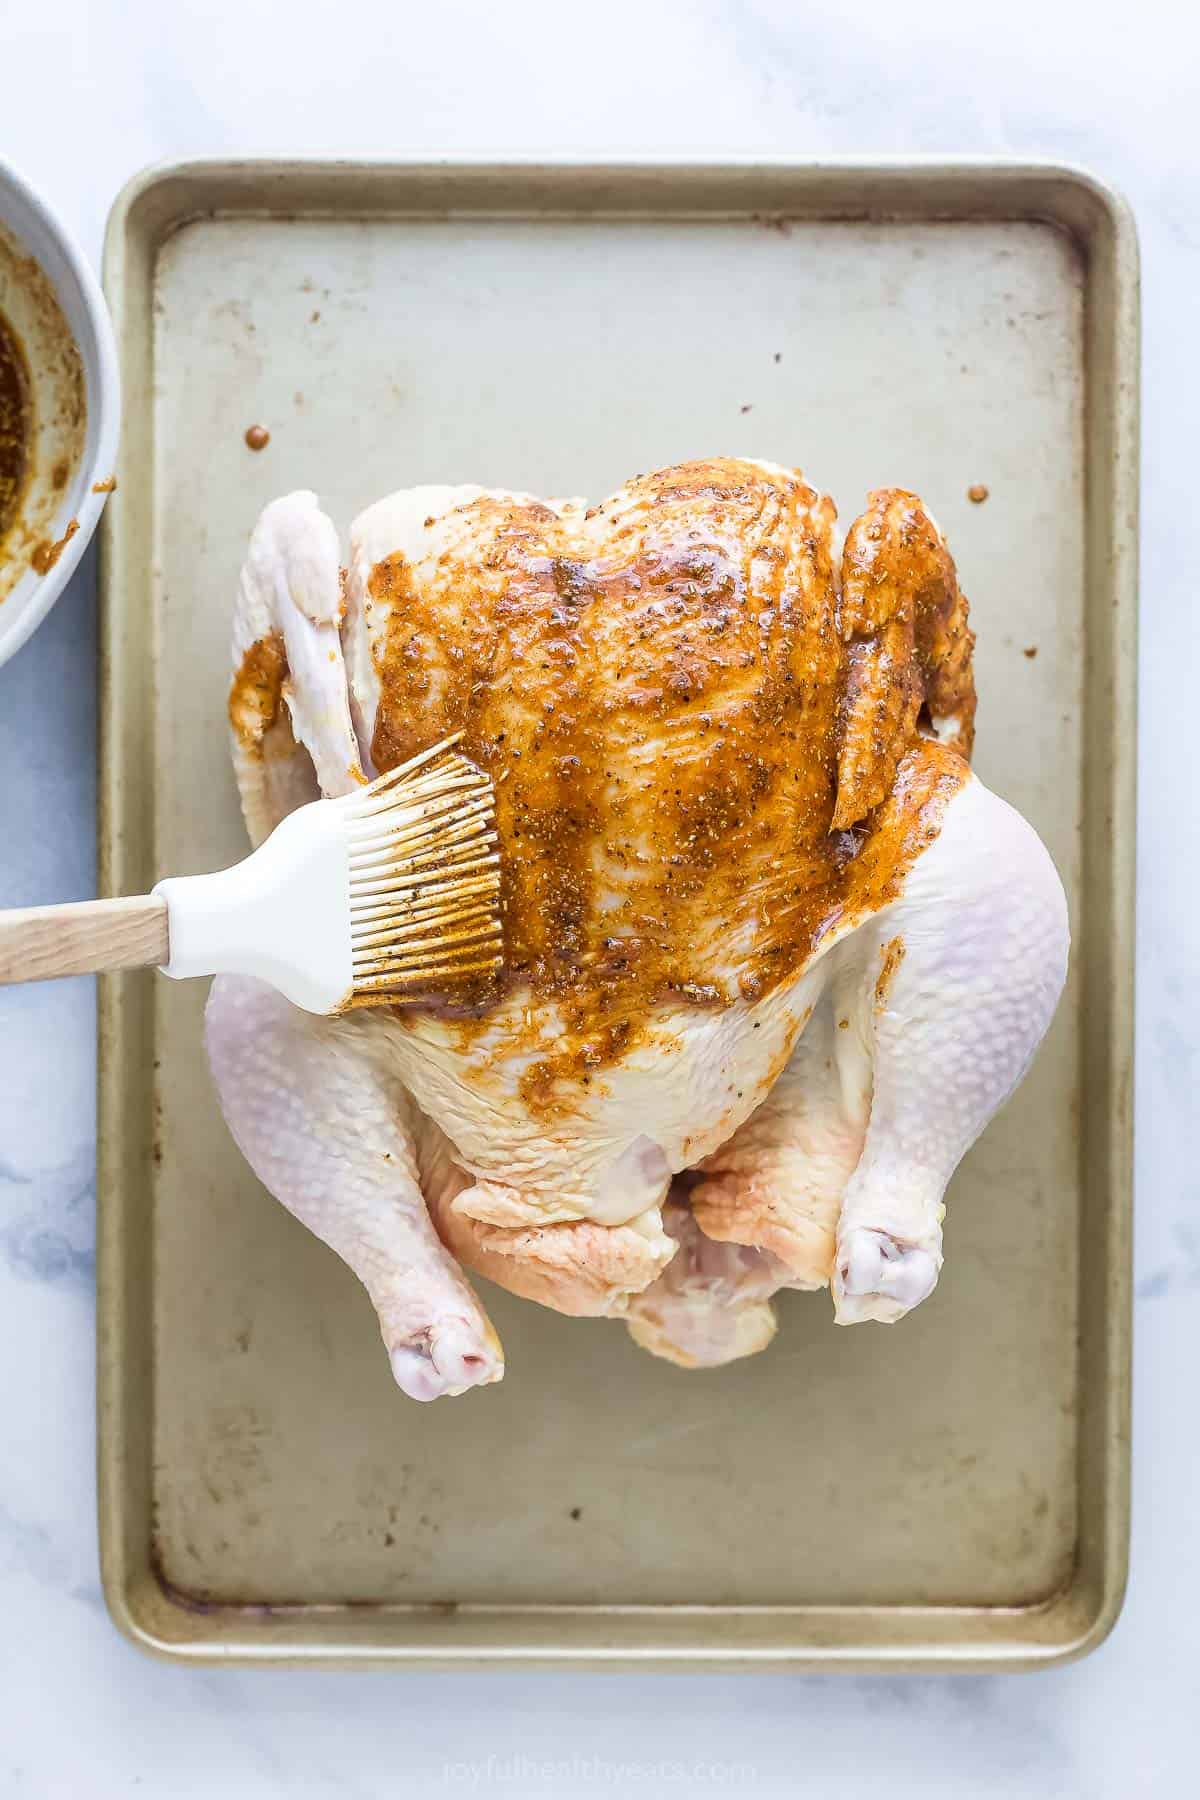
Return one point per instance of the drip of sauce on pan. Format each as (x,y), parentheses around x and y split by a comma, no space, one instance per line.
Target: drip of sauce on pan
(15,424)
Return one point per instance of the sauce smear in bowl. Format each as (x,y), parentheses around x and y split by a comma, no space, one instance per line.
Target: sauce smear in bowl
(15,419)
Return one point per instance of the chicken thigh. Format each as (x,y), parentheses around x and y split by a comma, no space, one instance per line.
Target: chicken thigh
(773,955)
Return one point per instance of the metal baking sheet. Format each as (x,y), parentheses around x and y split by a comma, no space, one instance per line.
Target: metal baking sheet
(953,1492)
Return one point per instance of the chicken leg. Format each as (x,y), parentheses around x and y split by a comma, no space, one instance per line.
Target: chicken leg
(331,1134)
(930,1015)
(315,1110)
(948,995)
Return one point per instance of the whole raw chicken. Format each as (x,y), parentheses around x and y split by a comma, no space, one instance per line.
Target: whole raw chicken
(773,955)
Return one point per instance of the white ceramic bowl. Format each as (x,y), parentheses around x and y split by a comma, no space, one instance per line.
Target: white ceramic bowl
(72,457)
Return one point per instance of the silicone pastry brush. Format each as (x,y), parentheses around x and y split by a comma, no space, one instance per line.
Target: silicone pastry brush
(382,896)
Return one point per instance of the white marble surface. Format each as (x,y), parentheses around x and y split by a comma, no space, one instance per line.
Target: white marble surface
(95,88)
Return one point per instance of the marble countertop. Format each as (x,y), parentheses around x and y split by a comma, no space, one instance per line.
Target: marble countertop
(96,89)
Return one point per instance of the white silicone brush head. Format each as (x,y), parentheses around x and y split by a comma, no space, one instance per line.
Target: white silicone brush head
(386,896)
(424,879)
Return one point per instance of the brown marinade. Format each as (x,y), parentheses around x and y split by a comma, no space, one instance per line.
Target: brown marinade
(703,765)
(257,691)
(16,424)
(47,551)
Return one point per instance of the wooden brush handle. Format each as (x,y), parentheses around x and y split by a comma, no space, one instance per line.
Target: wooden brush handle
(39,943)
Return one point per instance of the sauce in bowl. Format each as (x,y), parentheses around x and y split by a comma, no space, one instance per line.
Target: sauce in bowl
(15,424)
(43,421)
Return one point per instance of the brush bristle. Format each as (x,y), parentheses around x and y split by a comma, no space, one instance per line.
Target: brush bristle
(424,879)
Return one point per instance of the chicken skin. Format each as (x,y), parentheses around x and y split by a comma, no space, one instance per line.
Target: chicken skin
(773,955)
